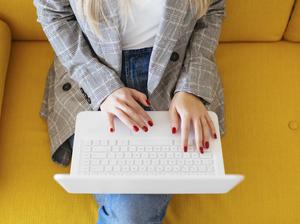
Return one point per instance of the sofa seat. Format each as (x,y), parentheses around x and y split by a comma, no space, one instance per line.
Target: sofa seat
(262,125)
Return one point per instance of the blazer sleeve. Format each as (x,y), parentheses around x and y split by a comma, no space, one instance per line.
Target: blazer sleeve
(199,74)
(72,49)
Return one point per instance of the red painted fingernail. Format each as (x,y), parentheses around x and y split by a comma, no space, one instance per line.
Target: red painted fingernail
(173,130)
(148,102)
(206,145)
(201,150)
(150,123)
(145,128)
(135,128)
(111,129)
(215,135)
(185,148)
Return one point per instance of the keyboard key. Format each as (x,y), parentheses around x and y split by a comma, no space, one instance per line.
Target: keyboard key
(98,155)
(161,155)
(101,148)
(136,155)
(145,155)
(141,148)
(124,148)
(128,155)
(119,155)
(115,148)
(148,148)
(122,142)
(132,148)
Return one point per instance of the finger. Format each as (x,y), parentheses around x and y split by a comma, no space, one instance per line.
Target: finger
(198,134)
(185,129)
(137,107)
(205,131)
(125,119)
(111,124)
(140,97)
(212,126)
(174,119)
(132,114)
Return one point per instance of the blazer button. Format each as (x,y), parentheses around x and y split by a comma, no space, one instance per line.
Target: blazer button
(66,86)
(88,99)
(82,91)
(174,56)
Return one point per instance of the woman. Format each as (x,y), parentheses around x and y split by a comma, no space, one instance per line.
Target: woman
(124,57)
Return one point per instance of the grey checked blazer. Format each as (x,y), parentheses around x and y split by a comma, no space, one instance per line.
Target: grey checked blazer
(86,70)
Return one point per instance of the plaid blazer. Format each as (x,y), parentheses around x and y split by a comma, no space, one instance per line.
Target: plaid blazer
(86,70)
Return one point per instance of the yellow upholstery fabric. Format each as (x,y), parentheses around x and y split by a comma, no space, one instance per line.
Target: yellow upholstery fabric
(262,141)
(29,194)
(255,20)
(5,39)
(250,20)
(20,15)
(293,30)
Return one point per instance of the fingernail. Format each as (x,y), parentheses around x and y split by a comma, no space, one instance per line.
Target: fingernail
(206,145)
(145,128)
(185,148)
(150,123)
(201,150)
(173,130)
(111,129)
(148,102)
(135,128)
(215,135)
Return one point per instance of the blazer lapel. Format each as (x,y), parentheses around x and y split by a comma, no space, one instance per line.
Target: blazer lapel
(169,31)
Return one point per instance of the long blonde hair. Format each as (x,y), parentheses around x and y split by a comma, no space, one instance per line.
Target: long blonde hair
(92,10)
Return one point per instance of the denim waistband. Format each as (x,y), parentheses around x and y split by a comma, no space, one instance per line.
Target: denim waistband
(137,51)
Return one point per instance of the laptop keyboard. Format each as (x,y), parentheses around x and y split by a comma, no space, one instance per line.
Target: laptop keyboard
(143,157)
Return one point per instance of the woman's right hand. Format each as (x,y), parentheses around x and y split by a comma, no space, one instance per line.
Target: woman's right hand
(123,103)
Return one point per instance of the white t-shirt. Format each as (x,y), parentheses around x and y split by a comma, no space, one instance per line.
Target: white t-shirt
(141,32)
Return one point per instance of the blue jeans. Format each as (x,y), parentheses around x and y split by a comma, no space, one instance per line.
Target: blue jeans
(132,208)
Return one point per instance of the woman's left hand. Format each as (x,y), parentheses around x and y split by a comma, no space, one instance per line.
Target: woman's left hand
(188,108)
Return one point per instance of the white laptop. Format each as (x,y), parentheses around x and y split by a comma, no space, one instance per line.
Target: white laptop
(150,162)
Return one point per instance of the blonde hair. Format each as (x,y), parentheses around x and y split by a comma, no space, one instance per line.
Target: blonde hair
(93,10)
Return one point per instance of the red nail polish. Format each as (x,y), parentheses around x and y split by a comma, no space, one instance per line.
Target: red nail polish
(215,135)
(111,129)
(201,150)
(185,148)
(145,128)
(150,123)
(135,128)
(206,145)
(173,130)
(148,102)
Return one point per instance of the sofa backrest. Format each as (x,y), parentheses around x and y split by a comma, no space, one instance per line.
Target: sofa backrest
(246,20)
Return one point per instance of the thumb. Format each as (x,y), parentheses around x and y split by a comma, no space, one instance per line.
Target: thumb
(140,97)
(174,119)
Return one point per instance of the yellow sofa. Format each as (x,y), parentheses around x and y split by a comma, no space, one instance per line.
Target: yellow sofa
(259,62)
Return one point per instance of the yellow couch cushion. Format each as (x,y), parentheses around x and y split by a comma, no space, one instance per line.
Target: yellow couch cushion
(293,30)
(5,39)
(29,193)
(255,20)
(262,141)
